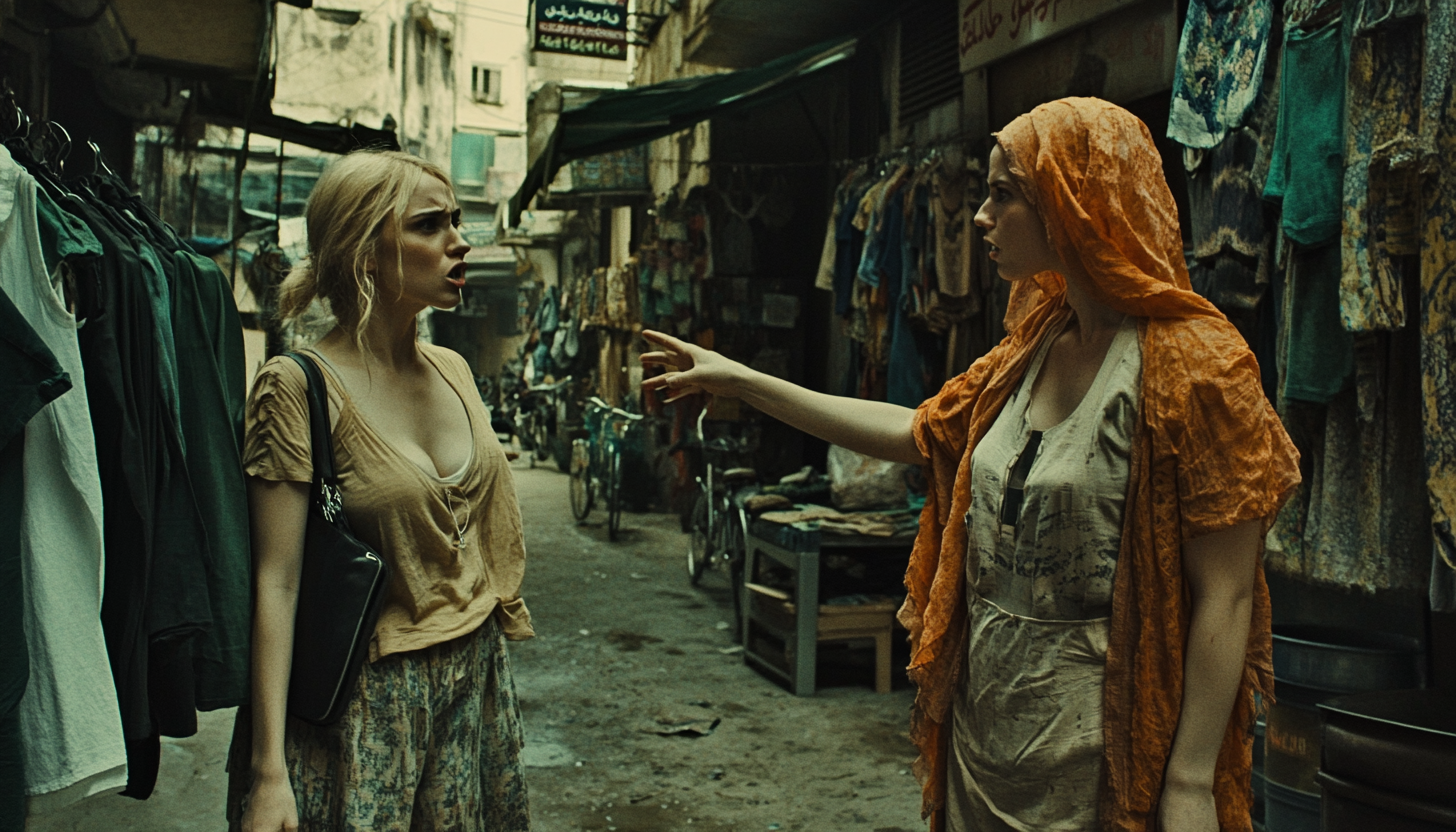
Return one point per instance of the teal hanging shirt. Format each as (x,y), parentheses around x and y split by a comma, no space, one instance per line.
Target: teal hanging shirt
(1306,172)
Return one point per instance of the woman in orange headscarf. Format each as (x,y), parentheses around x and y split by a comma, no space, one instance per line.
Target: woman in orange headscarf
(1087,610)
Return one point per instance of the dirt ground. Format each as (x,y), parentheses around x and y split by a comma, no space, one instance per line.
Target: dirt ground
(626,649)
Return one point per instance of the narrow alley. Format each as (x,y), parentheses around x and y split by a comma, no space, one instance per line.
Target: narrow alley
(626,648)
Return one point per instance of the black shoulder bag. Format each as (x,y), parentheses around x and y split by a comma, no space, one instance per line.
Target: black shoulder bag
(341,588)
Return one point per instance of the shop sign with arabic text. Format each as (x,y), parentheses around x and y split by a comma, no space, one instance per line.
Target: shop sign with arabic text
(597,30)
(993,29)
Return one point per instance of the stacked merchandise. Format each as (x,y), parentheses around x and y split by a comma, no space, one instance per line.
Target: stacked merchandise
(126,489)
(676,257)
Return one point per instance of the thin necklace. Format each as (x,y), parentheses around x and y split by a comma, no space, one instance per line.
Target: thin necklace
(459,527)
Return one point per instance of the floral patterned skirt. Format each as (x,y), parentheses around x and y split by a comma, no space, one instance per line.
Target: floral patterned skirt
(432,740)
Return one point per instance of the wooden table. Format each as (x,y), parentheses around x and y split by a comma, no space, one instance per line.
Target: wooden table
(801,553)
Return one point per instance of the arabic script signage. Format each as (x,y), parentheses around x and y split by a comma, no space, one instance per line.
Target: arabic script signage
(597,30)
(619,170)
(993,29)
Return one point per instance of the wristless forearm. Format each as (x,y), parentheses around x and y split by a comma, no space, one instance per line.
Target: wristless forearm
(877,429)
(272,664)
(1213,666)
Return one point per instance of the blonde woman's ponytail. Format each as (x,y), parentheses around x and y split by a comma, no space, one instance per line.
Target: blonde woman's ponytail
(345,216)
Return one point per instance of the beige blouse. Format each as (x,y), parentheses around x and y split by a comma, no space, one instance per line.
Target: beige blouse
(454,544)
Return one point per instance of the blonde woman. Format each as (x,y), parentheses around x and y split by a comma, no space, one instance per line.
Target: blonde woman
(432,737)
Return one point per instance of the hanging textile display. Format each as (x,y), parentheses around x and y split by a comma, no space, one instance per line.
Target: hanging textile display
(1438,274)
(1232,240)
(1381,187)
(1220,63)
(674,256)
(137,557)
(1359,519)
(899,257)
(1366,248)
(31,378)
(608,301)
(1305,174)
(72,749)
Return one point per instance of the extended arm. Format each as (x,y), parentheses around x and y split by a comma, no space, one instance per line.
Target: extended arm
(1219,569)
(279,514)
(877,429)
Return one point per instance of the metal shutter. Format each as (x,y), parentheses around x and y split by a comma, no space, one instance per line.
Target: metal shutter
(930,69)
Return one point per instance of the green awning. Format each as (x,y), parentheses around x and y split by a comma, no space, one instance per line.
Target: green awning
(631,117)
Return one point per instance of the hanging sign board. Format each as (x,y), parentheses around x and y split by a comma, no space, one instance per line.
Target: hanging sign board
(573,27)
(619,170)
(993,29)
(1125,56)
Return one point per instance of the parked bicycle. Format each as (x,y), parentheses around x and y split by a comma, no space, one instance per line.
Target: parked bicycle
(719,524)
(596,462)
(537,418)
(503,396)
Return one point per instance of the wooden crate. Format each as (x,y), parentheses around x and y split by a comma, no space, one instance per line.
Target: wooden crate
(775,608)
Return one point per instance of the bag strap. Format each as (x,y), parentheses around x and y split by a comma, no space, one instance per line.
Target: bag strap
(329,498)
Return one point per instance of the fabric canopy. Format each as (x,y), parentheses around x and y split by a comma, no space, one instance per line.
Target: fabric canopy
(227,101)
(627,118)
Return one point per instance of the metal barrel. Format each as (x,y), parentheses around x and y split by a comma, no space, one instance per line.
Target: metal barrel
(1312,664)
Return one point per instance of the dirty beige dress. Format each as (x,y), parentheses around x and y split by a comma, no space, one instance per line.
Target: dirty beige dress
(1027,720)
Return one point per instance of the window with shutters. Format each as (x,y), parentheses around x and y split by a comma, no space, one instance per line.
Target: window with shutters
(930,63)
(485,84)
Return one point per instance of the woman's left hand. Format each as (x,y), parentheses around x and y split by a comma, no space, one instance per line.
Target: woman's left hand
(1187,808)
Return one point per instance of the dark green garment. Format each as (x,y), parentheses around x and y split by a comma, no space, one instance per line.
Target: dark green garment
(211,375)
(155,551)
(1307,169)
(62,234)
(1320,353)
(30,378)
(157,276)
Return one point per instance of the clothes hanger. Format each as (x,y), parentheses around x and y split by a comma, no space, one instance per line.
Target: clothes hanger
(54,149)
(32,147)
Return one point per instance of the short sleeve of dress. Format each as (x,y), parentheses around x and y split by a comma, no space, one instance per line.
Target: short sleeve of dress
(1234,461)
(276,445)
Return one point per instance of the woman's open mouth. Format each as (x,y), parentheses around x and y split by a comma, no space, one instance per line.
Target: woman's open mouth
(456,277)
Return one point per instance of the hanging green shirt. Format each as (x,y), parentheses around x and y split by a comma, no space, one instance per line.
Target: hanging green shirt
(1307,168)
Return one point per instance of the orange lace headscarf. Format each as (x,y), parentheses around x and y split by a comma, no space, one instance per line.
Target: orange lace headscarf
(1209,453)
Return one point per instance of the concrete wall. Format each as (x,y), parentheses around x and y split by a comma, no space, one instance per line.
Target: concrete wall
(676,162)
(395,60)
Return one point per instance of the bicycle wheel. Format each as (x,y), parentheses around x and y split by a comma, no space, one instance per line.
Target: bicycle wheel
(737,552)
(698,540)
(581,490)
(722,531)
(561,453)
(614,495)
(540,440)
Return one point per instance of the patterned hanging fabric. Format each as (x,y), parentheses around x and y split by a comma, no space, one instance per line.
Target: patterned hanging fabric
(1382,180)
(1438,270)
(1220,64)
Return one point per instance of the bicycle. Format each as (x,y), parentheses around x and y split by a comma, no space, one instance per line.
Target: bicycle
(536,418)
(596,462)
(718,528)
